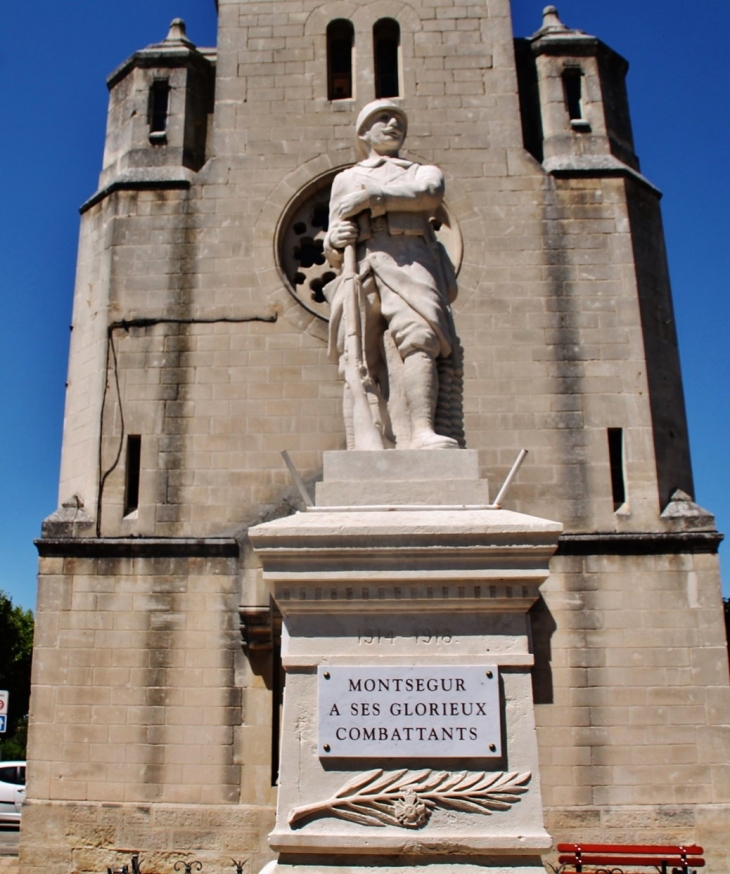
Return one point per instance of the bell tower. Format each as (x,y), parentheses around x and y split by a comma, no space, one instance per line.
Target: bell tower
(581,91)
(199,352)
(160,100)
(576,122)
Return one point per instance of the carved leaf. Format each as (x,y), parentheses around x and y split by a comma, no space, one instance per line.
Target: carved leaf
(471,781)
(450,780)
(416,777)
(407,800)
(437,779)
(463,804)
(359,818)
(359,782)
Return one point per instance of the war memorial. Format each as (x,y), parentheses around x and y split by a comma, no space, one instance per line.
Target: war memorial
(376,549)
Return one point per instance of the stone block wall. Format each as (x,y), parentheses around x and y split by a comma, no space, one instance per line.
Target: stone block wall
(151,732)
(185,334)
(90,837)
(631,688)
(134,695)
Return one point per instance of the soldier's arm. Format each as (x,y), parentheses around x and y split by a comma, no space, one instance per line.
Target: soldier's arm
(340,231)
(421,191)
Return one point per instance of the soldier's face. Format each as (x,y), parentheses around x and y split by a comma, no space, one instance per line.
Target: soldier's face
(385,135)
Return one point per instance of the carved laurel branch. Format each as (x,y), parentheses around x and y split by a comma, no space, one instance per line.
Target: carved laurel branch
(407,799)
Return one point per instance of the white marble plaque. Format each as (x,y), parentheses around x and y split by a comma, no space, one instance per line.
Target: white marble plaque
(409,712)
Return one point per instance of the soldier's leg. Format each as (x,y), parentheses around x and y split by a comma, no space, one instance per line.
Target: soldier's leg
(369,325)
(421,385)
(418,347)
(375,327)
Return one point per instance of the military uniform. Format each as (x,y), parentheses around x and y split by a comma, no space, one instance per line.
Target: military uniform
(408,281)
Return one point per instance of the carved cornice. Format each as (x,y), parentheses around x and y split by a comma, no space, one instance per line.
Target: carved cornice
(156,183)
(633,543)
(595,167)
(260,628)
(640,543)
(137,547)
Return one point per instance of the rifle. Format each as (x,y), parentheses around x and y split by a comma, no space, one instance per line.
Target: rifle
(365,403)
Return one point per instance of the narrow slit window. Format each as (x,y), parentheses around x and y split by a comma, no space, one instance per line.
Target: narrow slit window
(340,42)
(573,89)
(616,460)
(132,473)
(159,102)
(386,45)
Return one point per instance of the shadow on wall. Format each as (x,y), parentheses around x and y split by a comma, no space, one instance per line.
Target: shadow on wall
(543,627)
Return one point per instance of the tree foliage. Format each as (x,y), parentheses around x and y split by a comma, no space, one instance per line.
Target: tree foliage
(16,650)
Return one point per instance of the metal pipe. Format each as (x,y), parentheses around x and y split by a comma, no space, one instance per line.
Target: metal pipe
(298,481)
(510,476)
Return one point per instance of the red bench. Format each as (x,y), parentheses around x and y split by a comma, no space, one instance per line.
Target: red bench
(611,857)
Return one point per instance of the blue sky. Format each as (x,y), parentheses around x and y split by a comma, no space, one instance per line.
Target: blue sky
(53,63)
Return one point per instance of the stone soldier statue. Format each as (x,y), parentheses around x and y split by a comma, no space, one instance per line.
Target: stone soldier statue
(394,277)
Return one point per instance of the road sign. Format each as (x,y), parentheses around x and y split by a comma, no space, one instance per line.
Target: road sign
(4,702)
(3,723)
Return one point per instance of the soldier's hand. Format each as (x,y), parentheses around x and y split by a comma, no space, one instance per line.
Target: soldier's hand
(343,234)
(353,203)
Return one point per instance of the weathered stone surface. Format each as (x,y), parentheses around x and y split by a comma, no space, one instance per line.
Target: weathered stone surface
(185,334)
(361,478)
(395,280)
(348,608)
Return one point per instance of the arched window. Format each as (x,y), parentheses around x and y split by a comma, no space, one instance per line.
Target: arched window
(159,100)
(573,92)
(386,46)
(340,40)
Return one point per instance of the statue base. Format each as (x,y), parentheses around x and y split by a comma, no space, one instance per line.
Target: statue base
(406,864)
(408,734)
(402,477)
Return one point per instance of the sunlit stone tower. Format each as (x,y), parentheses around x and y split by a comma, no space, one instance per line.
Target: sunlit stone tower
(199,352)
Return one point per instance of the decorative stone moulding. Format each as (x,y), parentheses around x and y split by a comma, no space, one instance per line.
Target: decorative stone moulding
(399,560)
(403,595)
(407,798)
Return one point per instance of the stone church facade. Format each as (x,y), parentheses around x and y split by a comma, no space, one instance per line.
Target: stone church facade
(199,352)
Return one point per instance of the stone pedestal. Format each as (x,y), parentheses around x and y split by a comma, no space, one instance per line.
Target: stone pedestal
(403,572)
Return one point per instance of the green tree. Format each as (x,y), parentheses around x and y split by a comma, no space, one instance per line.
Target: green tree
(16,650)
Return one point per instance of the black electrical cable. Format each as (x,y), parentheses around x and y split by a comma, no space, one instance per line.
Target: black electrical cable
(103,478)
(111,352)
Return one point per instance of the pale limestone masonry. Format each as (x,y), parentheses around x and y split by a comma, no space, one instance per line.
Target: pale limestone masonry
(446,587)
(151,729)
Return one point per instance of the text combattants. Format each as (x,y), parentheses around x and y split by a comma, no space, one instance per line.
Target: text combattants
(409,712)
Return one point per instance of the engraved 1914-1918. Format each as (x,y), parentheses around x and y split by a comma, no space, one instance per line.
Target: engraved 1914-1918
(409,712)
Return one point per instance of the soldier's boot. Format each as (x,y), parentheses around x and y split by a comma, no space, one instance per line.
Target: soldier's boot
(421,387)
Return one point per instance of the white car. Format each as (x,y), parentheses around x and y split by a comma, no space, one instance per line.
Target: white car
(12,790)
